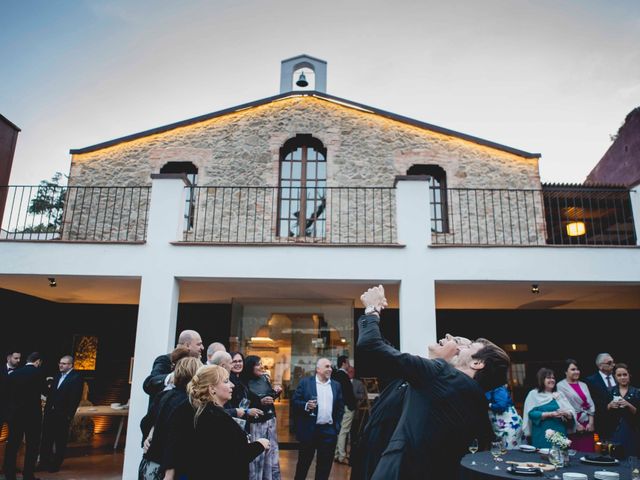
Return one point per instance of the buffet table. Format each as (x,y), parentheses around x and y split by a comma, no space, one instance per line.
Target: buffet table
(105,411)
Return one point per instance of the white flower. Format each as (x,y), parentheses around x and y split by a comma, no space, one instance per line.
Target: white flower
(557,438)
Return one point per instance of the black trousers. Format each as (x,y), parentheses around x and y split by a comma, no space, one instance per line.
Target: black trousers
(55,432)
(29,427)
(323,442)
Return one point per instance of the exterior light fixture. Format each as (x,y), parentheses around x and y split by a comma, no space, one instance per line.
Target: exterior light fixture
(535,288)
(302,80)
(52,282)
(576,229)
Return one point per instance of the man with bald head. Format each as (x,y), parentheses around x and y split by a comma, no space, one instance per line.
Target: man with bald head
(600,386)
(213,349)
(162,366)
(318,408)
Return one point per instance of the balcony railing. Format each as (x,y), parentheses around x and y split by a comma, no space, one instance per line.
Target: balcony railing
(551,216)
(333,215)
(51,212)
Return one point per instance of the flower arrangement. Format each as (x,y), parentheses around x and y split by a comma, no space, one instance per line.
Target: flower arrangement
(557,439)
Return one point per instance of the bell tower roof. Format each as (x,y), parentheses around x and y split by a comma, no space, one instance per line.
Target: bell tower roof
(290,66)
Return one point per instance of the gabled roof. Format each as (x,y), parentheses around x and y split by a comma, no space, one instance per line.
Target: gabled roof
(8,122)
(321,95)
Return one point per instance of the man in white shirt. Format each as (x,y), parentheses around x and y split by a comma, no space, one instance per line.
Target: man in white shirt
(318,407)
(600,385)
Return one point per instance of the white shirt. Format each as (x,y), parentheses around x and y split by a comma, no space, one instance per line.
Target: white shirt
(10,369)
(62,377)
(604,379)
(325,401)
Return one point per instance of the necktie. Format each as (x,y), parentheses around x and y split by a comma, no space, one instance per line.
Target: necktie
(609,384)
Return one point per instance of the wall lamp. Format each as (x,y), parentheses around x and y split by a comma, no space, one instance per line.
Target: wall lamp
(52,282)
(535,288)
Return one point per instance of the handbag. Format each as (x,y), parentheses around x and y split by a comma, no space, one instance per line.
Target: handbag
(150,470)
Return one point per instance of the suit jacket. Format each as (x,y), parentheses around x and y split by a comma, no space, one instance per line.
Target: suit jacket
(443,411)
(64,400)
(25,385)
(305,422)
(154,383)
(348,396)
(601,395)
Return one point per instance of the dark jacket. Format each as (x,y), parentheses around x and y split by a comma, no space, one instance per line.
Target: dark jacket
(305,422)
(220,445)
(443,411)
(601,395)
(172,426)
(24,387)
(154,383)
(348,396)
(257,388)
(64,401)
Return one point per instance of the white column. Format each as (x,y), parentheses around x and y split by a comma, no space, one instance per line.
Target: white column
(635,206)
(158,307)
(417,287)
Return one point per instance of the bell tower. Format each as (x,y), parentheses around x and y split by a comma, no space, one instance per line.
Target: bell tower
(293,77)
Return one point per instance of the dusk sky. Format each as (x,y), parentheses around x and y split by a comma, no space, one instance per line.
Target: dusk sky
(546,76)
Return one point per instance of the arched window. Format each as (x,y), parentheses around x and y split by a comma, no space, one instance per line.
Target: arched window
(438,191)
(191,171)
(303,181)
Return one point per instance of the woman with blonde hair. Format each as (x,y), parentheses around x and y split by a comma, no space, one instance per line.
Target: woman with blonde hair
(218,442)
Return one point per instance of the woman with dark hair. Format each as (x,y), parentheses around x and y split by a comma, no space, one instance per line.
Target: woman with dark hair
(262,395)
(578,395)
(623,407)
(219,448)
(545,408)
(240,397)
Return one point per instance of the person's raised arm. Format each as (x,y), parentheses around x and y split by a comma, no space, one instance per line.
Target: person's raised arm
(412,368)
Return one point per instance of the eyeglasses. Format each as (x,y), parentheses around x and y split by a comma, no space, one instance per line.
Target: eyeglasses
(236,361)
(610,362)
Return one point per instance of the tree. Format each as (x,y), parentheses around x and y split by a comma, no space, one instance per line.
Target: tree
(49,204)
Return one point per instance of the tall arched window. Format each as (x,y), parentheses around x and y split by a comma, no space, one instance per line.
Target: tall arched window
(438,194)
(303,181)
(191,171)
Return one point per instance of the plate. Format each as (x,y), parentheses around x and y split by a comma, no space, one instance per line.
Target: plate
(597,462)
(524,471)
(527,448)
(544,451)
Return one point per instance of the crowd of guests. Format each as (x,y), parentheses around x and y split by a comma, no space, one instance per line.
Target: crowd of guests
(223,413)
(22,390)
(603,406)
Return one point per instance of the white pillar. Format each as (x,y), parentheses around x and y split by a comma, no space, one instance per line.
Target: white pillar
(635,206)
(158,307)
(417,287)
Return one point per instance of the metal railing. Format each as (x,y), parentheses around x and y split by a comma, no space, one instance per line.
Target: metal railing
(51,212)
(554,216)
(333,215)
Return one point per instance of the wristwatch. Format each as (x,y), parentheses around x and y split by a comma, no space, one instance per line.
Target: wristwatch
(370,309)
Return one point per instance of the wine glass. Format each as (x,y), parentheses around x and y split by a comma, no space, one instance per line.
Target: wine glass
(473,448)
(556,458)
(572,453)
(496,451)
(505,446)
(314,398)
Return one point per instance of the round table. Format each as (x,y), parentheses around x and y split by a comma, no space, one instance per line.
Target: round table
(483,469)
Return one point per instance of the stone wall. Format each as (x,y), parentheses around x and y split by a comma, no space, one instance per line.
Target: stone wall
(363,149)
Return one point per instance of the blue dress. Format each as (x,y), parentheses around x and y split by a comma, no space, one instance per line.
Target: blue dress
(627,432)
(540,426)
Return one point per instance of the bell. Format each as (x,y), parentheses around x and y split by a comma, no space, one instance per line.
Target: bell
(302,80)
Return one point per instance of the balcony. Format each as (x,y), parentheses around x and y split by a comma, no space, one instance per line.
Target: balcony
(333,216)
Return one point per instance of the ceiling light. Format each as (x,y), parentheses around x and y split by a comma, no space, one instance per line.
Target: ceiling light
(535,288)
(52,282)
(576,229)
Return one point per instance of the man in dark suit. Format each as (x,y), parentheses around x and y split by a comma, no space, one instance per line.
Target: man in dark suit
(600,386)
(25,385)
(444,407)
(318,409)
(342,377)
(13,362)
(62,401)
(162,365)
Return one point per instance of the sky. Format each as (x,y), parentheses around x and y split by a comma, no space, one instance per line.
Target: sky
(555,77)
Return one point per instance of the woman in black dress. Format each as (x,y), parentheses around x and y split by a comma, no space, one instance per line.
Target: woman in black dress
(218,442)
(623,407)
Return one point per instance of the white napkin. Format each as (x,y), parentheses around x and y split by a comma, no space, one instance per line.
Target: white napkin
(606,475)
(574,476)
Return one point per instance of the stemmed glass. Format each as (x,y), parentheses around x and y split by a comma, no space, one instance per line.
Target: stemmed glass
(314,398)
(473,448)
(496,451)
(557,459)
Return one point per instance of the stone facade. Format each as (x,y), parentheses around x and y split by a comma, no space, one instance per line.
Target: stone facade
(243,149)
